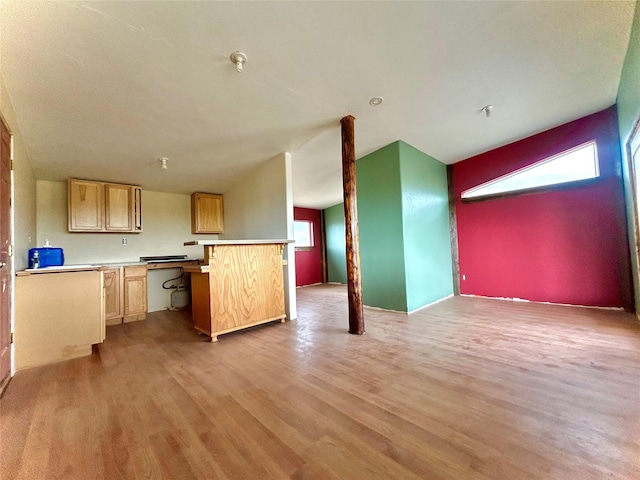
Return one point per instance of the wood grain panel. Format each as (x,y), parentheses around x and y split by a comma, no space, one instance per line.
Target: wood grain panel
(466,389)
(135,271)
(86,205)
(113,296)
(201,302)
(207,213)
(135,298)
(246,285)
(119,207)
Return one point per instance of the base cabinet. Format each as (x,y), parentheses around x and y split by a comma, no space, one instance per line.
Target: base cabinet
(113,296)
(59,316)
(125,294)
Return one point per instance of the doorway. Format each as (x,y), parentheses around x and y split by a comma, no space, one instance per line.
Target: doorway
(6,259)
(633,154)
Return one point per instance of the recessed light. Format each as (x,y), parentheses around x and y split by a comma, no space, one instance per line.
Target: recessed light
(375,101)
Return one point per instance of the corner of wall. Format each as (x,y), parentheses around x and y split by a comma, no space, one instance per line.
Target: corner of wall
(426,229)
(24,185)
(628,109)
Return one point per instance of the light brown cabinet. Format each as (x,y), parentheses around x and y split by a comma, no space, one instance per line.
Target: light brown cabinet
(135,293)
(104,207)
(113,296)
(207,213)
(125,294)
(86,206)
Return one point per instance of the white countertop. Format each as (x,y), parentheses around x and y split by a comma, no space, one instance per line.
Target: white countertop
(60,269)
(236,242)
(98,266)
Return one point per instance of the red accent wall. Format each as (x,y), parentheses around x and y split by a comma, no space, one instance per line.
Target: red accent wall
(564,246)
(309,262)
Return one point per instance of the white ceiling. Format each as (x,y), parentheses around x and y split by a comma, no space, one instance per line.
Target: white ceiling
(101,90)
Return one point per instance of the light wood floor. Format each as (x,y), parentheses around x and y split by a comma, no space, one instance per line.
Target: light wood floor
(465,389)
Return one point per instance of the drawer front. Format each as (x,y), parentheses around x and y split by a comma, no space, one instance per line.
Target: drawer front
(135,271)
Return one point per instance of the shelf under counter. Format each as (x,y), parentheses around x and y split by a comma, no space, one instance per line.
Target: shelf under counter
(166,265)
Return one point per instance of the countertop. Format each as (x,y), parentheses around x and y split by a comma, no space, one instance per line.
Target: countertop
(236,242)
(103,266)
(60,269)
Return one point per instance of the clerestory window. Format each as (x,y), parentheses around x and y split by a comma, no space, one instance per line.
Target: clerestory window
(578,163)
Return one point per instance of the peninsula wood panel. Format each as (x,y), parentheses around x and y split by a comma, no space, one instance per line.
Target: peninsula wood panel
(241,286)
(247,284)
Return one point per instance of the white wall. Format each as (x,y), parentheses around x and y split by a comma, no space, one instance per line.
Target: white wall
(24,184)
(24,199)
(261,207)
(166,224)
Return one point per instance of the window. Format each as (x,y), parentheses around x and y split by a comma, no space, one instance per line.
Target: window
(578,163)
(303,233)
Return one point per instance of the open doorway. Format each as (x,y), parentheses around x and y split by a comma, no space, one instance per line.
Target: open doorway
(6,266)
(633,154)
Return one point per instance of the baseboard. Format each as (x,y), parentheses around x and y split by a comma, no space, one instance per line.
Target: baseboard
(522,300)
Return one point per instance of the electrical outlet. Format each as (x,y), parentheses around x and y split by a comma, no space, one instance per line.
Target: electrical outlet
(124,241)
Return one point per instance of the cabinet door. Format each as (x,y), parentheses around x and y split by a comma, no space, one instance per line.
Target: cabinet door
(137,209)
(207,213)
(135,292)
(113,296)
(119,208)
(86,206)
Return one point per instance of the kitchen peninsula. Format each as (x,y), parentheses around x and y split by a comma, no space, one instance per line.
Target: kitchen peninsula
(240,285)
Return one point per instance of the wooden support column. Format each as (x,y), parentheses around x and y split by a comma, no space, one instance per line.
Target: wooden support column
(354,276)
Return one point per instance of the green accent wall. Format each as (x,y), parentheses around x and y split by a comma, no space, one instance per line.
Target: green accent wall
(336,249)
(425,214)
(628,104)
(403,217)
(380,222)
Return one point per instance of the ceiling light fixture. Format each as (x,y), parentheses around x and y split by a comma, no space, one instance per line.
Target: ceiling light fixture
(238,58)
(487,110)
(164,161)
(375,101)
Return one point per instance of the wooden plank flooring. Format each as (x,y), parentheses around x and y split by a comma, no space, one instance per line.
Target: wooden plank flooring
(465,389)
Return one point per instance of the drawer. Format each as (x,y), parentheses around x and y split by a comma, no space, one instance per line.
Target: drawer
(135,271)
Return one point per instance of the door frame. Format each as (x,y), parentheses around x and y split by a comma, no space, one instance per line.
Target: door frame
(634,178)
(10,255)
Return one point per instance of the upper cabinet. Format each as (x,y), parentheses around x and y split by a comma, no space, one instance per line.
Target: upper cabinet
(207,213)
(104,207)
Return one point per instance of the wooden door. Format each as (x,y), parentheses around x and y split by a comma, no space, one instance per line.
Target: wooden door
(119,208)
(86,206)
(113,296)
(6,260)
